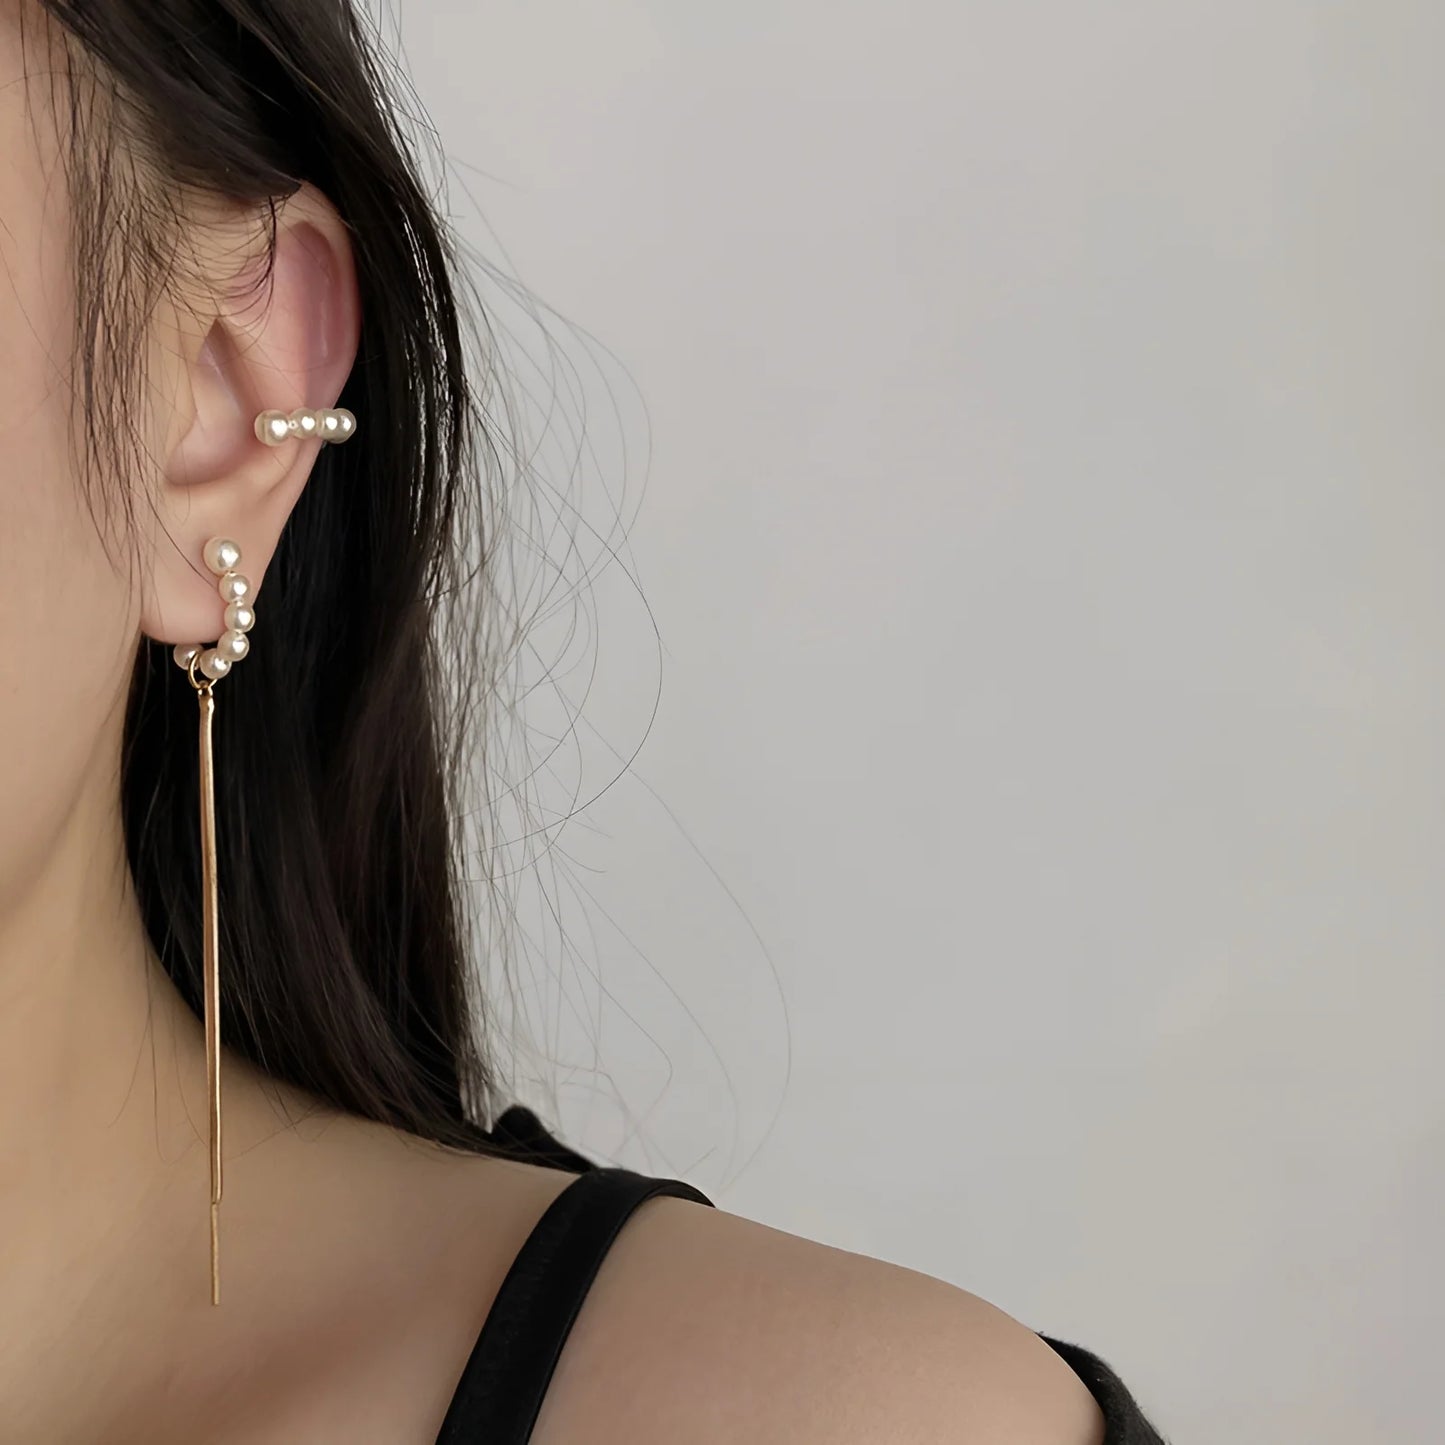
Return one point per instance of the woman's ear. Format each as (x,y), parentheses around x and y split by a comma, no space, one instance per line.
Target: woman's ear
(243,340)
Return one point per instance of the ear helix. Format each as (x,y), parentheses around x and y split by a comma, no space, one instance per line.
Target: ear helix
(331,425)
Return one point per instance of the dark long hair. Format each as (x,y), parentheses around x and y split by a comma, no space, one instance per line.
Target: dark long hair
(346,937)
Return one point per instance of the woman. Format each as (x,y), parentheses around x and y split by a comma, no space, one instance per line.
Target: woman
(219,264)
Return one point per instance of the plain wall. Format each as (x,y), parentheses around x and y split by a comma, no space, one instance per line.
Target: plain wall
(1032,868)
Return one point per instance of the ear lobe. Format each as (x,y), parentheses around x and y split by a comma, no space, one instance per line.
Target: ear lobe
(261,341)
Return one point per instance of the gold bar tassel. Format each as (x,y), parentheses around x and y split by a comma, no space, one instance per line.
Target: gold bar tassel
(212,944)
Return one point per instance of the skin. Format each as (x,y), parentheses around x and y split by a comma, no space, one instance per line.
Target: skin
(357,1264)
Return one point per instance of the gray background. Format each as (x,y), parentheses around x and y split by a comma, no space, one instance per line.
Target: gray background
(1031,872)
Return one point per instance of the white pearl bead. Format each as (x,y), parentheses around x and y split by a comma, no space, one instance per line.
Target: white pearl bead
(273,427)
(346,422)
(234,587)
(184,652)
(240,617)
(222,555)
(214,664)
(330,426)
(305,424)
(233,645)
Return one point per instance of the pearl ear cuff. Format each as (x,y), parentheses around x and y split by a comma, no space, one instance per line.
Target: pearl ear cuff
(331,425)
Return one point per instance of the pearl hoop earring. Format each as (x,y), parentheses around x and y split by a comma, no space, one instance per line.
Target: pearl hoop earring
(223,557)
(204,668)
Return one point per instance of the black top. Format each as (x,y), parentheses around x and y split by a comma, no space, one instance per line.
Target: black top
(500,1393)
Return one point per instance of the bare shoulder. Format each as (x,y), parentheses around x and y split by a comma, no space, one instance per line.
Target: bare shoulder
(709,1327)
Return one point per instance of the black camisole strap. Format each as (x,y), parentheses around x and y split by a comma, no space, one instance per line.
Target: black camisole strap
(511,1365)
